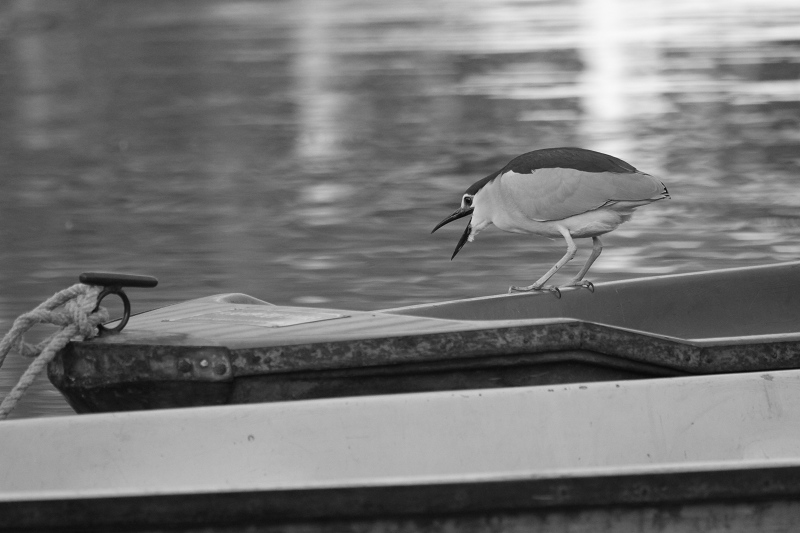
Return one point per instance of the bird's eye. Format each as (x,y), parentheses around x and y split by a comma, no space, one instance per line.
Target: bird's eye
(467,200)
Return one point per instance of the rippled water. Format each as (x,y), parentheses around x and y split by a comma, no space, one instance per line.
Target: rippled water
(301,151)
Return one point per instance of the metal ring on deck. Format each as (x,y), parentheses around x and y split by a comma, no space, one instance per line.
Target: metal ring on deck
(126,313)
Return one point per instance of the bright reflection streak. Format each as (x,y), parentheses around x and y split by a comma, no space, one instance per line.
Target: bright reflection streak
(621,78)
(320,106)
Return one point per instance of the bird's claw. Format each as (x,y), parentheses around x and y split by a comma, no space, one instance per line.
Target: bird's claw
(552,288)
(582,283)
(588,284)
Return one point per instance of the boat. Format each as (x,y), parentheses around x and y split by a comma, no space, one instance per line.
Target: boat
(669,403)
(236,349)
(680,454)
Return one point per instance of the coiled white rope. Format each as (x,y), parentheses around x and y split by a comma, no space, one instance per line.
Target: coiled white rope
(78,320)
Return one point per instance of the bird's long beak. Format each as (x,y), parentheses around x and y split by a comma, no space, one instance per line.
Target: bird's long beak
(458,213)
(463,240)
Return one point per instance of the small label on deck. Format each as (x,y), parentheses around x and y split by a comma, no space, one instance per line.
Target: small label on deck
(265,317)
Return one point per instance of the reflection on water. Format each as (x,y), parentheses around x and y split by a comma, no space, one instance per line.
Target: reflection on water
(301,151)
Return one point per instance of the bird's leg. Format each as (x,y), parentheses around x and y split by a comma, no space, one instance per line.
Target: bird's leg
(539,284)
(578,280)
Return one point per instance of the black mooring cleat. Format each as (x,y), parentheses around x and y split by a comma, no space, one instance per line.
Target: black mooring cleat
(112,283)
(112,279)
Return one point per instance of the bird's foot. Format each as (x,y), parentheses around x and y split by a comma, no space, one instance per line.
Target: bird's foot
(581,283)
(552,288)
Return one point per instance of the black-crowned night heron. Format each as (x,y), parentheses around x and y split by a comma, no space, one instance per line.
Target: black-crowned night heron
(557,192)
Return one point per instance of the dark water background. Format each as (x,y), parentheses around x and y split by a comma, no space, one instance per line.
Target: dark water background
(300,151)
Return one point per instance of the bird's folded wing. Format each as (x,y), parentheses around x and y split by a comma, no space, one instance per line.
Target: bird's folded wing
(549,194)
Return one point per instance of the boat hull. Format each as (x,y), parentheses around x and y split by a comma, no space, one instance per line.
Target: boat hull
(665,455)
(236,349)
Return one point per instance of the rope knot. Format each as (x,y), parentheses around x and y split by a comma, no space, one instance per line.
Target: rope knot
(81,312)
(75,310)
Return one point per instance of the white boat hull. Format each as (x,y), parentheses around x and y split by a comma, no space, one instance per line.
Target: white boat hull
(439,441)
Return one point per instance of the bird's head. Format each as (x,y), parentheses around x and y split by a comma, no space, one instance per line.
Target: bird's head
(466,208)
(469,202)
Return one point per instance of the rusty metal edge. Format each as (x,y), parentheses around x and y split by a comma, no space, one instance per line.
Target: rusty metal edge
(184,362)
(96,365)
(669,352)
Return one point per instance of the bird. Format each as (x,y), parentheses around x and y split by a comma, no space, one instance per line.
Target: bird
(563,192)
